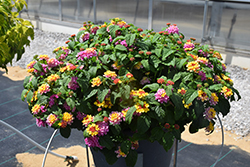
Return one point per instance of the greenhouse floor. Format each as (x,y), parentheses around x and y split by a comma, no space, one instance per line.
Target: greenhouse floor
(15,112)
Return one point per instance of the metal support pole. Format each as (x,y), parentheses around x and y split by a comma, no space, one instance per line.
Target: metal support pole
(94,6)
(204,22)
(150,13)
(77,10)
(175,152)
(60,9)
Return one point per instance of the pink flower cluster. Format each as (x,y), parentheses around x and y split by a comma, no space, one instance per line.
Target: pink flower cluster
(53,62)
(40,122)
(121,43)
(84,37)
(172,29)
(103,128)
(115,118)
(88,53)
(52,99)
(188,46)
(73,84)
(161,96)
(93,142)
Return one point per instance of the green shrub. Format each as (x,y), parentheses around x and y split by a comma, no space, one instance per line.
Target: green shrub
(14,32)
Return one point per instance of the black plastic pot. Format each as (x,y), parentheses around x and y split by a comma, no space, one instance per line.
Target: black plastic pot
(149,155)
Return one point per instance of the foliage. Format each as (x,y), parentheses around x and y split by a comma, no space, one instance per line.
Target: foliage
(14,32)
(120,84)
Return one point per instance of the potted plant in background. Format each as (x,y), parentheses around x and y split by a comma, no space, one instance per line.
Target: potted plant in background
(124,86)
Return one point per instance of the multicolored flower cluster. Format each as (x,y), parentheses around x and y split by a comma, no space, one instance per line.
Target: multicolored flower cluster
(119,83)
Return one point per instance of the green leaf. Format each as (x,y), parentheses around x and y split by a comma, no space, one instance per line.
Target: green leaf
(129,114)
(42,99)
(154,61)
(131,158)
(215,87)
(125,91)
(187,76)
(143,124)
(79,34)
(179,109)
(176,77)
(65,132)
(92,93)
(168,140)
(98,118)
(190,95)
(34,82)
(160,112)
(158,52)
(223,106)
(145,64)
(106,141)
(180,64)
(197,124)
(116,129)
(101,31)
(166,53)
(102,94)
(110,155)
(23,94)
(132,39)
(26,81)
(120,47)
(84,83)
(152,87)
(156,133)
(122,71)
(113,29)
(92,71)
(71,45)
(29,96)
(71,102)
(38,67)
(125,146)
(198,108)
(155,38)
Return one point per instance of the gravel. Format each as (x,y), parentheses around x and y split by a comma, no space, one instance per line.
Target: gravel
(237,121)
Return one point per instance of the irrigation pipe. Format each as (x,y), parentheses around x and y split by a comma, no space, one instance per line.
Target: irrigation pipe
(74,158)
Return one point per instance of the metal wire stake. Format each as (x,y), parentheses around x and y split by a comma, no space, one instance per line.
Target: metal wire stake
(87,152)
(222,142)
(175,152)
(46,151)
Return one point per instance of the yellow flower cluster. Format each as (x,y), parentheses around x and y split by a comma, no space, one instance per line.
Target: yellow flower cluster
(67,117)
(93,129)
(43,57)
(140,93)
(227,91)
(86,120)
(193,66)
(106,103)
(53,78)
(96,82)
(186,105)
(142,109)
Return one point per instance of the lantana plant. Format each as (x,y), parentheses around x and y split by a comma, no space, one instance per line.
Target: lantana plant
(120,84)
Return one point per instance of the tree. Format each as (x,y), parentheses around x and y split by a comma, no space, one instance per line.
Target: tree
(15,33)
